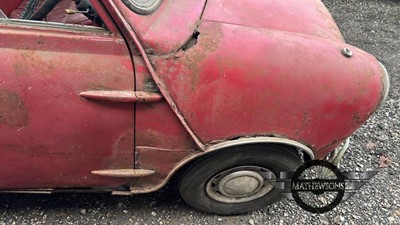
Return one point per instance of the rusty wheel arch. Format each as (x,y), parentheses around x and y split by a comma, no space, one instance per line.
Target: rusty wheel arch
(263,140)
(304,152)
(213,149)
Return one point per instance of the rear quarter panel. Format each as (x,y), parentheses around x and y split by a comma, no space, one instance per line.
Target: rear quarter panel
(243,81)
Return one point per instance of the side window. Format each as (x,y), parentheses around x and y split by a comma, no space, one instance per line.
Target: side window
(78,12)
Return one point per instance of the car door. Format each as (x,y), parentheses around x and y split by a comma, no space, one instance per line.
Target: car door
(50,136)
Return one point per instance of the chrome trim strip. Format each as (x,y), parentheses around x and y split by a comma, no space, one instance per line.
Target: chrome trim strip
(54,25)
(386,85)
(338,153)
(28,191)
(258,140)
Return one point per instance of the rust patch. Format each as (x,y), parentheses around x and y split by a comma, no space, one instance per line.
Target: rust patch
(31,60)
(18,69)
(13,112)
(40,40)
(205,43)
(101,78)
(357,120)
(150,85)
(210,41)
(94,86)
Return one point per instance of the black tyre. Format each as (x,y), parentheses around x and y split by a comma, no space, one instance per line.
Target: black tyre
(237,180)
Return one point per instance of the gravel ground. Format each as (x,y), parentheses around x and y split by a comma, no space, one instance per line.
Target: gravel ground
(373,25)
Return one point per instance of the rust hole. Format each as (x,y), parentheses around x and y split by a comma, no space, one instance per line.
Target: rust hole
(192,41)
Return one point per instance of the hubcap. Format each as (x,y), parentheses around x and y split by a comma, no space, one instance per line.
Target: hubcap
(240,184)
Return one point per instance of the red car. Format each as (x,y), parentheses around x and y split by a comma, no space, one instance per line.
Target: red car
(122,95)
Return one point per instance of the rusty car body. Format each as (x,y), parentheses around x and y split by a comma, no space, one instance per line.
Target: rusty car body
(114,99)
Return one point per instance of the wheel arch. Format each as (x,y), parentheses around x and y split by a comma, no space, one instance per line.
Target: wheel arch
(308,153)
(290,145)
(212,149)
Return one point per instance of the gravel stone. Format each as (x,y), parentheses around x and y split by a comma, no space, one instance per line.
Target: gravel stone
(251,222)
(83,211)
(324,220)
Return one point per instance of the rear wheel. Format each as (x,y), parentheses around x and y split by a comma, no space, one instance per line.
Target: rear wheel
(237,180)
